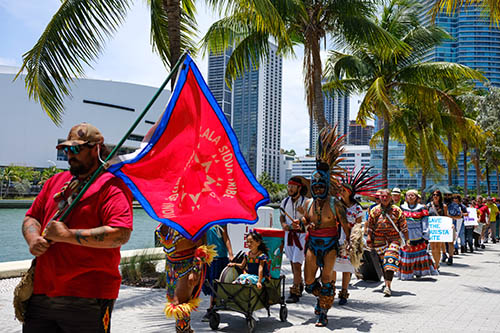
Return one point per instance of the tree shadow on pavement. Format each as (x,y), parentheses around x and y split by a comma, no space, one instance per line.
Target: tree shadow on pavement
(143,297)
(343,322)
(483,289)
(379,307)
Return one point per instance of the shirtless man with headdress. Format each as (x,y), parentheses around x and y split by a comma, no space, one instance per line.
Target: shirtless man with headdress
(186,266)
(322,216)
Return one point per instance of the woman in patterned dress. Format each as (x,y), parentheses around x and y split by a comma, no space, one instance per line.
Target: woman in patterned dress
(415,258)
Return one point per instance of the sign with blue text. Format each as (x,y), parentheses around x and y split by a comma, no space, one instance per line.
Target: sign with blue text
(471,220)
(440,229)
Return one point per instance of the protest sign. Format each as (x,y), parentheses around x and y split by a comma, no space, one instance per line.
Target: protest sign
(471,220)
(440,229)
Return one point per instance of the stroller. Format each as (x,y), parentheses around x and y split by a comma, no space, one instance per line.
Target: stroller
(246,299)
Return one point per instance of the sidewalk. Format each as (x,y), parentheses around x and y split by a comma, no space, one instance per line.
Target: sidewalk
(465,297)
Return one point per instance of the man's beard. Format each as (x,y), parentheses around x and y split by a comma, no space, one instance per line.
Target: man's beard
(79,168)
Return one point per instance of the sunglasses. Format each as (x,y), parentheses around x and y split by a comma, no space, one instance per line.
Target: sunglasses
(75,149)
(436,195)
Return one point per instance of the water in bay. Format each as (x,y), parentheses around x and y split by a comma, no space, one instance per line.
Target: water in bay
(13,246)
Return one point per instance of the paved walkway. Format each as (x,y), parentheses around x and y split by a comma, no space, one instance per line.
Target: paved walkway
(465,297)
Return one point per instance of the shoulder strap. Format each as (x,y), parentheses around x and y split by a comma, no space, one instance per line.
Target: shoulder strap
(286,202)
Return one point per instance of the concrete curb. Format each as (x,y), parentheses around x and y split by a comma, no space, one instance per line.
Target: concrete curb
(12,269)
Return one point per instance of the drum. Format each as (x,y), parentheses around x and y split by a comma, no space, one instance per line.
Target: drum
(228,275)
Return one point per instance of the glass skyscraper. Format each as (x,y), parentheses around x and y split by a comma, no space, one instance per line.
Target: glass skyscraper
(475,43)
(336,113)
(217,65)
(254,107)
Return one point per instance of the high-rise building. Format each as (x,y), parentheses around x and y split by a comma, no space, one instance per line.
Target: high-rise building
(355,158)
(336,113)
(217,65)
(255,110)
(475,43)
(359,135)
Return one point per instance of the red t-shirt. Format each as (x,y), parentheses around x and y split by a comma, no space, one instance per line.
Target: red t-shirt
(74,270)
(483,211)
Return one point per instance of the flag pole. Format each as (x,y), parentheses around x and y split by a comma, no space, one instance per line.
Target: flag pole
(120,143)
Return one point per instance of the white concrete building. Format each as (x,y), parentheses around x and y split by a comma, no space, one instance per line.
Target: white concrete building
(355,157)
(286,162)
(29,138)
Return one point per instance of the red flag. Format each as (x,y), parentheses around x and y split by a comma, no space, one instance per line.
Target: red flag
(190,173)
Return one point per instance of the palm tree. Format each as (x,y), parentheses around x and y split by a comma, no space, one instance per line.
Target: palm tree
(8,174)
(389,77)
(419,130)
(248,26)
(76,34)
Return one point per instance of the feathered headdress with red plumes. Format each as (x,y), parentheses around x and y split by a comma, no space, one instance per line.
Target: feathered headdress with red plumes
(362,183)
(328,156)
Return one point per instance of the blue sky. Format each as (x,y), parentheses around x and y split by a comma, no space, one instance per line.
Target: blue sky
(128,57)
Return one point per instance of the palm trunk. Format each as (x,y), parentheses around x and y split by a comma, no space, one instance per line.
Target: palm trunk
(488,179)
(478,171)
(318,106)
(173,10)
(385,152)
(466,189)
(449,161)
(423,180)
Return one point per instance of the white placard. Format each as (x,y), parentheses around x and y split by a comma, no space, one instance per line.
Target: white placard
(471,220)
(237,232)
(440,229)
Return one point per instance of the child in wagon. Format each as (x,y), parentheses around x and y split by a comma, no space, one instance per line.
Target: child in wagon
(256,262)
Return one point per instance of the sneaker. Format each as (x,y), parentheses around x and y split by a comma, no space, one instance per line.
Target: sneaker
(387,291)
(462,249)
(444,257)
(343,301)
(482,246)
(292,299)
(450,261)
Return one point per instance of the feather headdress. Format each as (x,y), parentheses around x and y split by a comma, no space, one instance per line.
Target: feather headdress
(328,154)
(362,182)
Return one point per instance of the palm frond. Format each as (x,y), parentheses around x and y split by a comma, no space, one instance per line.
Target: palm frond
(441,74)
(73,38)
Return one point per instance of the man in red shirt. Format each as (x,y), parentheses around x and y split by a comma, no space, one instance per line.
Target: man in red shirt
(483,214)
(77,279)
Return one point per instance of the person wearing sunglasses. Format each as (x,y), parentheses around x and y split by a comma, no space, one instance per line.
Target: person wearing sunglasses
(77,277)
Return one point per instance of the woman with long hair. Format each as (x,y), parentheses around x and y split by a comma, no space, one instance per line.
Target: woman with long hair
(415,259)
(437,207)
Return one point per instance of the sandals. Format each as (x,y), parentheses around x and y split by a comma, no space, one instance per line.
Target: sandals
(322,320)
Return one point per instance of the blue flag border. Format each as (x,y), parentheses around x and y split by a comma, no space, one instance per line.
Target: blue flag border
(181,80)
